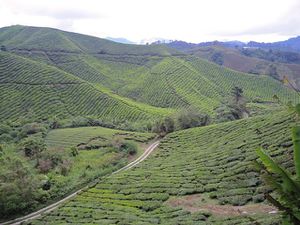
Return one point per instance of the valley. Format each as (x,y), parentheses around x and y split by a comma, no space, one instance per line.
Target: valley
(108,133)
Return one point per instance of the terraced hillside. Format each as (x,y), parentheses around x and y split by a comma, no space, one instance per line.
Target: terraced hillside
(108,76)
(214,162)
(49,39)
(169,82)
(30,87)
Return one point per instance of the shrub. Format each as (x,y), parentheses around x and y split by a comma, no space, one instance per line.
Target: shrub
(191,118)
(65,167)
(32,128)
(164,126)
(45,165)
(129,147)
(19,189)
(32,146)
(74,151)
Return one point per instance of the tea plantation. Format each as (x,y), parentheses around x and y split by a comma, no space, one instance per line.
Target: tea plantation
(75,108)
(216,161)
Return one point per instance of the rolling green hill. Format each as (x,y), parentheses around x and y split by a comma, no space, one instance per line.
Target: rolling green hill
(49,39)
(47,73)
(214,162)
(134,76)
(30,87)
(168,82)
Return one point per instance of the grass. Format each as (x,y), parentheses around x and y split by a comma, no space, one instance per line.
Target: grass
(69,137)
(96,157)
(215,161)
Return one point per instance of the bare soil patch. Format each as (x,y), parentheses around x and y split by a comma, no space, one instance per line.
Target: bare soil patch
(196,203)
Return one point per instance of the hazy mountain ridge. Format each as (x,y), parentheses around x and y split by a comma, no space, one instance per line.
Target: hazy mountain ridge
(292,44)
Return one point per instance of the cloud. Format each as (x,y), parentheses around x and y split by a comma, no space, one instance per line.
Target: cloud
(63,9)
(286,24)
(189,20)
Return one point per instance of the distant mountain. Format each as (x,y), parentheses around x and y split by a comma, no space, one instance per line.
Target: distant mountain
(154,41)
(185,46)
(120,40)
(274,63)
(292,44)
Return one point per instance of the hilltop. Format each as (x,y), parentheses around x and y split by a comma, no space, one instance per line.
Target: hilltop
(49,39)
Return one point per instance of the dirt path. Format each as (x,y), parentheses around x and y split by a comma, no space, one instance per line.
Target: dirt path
(196,203)
(53,206)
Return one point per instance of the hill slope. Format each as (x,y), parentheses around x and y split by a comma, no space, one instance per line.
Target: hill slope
(169,82)
(49,39)
(149,81)
(30,87)
(215,161)
(248,61)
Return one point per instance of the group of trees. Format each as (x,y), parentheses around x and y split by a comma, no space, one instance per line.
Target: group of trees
(20,187)
(235,109)
(191,117)
(184,119)
(125,146)
(23,161)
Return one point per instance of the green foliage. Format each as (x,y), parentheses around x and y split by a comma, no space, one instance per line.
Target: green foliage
(191,118)
(32,128)
(88,136)
(20,188)
(164,126)
(32,146)
(184,119)
(236,109)
(286,186)
(213,160)
(296,142)
(129,147)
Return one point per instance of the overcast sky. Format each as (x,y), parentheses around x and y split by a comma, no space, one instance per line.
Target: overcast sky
(136,20)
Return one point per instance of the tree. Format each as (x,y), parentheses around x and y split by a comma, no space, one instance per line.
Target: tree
(164,126)
(237,94)
(19,189)
(32,146)
(191,118)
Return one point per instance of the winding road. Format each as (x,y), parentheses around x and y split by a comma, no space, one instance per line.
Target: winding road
(53,206)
